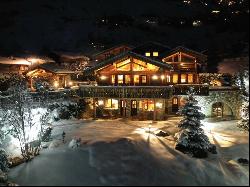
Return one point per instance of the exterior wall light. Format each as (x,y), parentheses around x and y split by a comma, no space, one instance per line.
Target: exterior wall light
(162,77)
(103,77)
(100,102)
(154,77)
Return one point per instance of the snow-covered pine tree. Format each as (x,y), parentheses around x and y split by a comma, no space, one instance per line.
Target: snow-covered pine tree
(244,122)
(191,138)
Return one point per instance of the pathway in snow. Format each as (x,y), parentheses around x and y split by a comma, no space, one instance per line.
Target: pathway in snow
(123,152)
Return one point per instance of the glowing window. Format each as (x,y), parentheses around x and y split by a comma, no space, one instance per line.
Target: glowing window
(147,54)
(175,101)
(120,79)
(113,79)
(137,67)
(127,79)
(190,78)
(134,104)
(168,78)
(155,54)
(111,103)
(136,79)
(175,78)
(183,78)
(144,79)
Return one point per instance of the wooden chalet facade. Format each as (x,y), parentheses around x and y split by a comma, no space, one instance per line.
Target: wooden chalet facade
(146,82)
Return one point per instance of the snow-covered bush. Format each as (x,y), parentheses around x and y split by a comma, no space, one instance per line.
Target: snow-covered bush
(244,122)
(3,160)
(191,139)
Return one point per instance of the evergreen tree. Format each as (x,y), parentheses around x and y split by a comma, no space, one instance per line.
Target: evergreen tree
(191,138)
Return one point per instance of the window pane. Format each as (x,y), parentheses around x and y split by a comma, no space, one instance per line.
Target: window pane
(168,78)
(147,54)
(144,79)
(190,78)
(113,79)
(175,78)
(155,54)
(134,104)
(136,79)
(114,104)
(120,79)
(183,78)
(175,101)
(127,79)
(150,105)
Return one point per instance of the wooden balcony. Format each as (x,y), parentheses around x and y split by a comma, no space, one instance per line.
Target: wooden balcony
(126,91)
(182,89)
(164,92)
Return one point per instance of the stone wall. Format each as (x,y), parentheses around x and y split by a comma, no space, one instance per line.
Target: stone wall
(230,98)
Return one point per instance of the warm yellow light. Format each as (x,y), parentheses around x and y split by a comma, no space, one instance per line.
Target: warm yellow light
(103,77)
(158,105)
(100,102)
(70,83)
(155,54)
(162,77)
(56,84)
(147,54)
(154,77)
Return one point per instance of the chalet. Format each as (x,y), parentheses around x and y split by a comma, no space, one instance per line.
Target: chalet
(146,82)
(51,75)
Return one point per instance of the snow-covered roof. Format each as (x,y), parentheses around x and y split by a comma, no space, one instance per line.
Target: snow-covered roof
(14,61)
(54,68)
(125,55)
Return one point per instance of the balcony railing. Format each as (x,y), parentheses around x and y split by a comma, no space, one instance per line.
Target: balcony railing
(182,89)
(140,91)
(126,91)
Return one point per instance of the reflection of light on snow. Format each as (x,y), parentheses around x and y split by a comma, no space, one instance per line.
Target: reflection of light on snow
(145,132)
(207,127)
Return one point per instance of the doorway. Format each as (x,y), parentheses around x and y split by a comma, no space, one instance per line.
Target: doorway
(133,107)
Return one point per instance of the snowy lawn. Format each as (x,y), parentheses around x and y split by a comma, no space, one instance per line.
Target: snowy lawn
(124,152)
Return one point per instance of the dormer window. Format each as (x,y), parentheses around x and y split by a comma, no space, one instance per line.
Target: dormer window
(147,54)
(155,54)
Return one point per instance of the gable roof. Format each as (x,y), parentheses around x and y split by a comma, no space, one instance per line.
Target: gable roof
(125,55)
(110,49)
(151,47)
(186,50)
(54,68)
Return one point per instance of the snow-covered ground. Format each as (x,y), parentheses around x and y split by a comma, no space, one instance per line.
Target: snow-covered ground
(125,152)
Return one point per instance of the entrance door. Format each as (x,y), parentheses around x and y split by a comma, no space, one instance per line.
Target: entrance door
(217,109)
(123,106)
(133,108)
(175,105)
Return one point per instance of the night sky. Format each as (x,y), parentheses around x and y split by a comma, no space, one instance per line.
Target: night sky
(85,25)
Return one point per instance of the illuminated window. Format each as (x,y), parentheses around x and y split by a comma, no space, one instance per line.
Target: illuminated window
(143,79)
(111,103)
(175,101)
(147,54)
(124,65)
(152,67)
(155,54)
(175,78)
(137,67)
(134,104)
(127,79)
(183,78)
(190,78)
(120,79)
(113,79)
(147,105)
(168,78)
(136,79)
